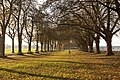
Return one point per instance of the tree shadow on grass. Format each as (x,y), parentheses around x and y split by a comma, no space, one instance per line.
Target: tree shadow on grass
(34,55)
(81,63)
(9,58)
(37,75)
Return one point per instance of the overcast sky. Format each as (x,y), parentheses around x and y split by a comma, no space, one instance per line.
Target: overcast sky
(41,1)
(115,40)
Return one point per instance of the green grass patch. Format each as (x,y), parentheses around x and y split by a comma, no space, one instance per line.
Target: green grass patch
(60,66)
(24,50)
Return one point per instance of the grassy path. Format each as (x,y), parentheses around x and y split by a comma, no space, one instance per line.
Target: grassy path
(61,66)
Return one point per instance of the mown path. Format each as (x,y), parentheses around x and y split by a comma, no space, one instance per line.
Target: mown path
(60,66)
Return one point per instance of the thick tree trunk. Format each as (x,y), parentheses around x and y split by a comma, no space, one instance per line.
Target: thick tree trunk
(45,44)
(90,44)
(91,47)
(29,44)
(19,31)
(4,23)
(45,47)
(51,45)
(55,45)
(48,46)
(37,46)
(13,45)
(41,46)
(37,51)
(20,45)
(59,46)
(29,47)
(3,45)
(97,41)
(84,47)
(109,46)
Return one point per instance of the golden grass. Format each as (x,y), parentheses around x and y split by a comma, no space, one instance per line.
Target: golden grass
(9,51)
(60,66)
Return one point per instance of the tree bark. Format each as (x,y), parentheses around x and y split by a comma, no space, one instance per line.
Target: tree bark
(90,42)
(41,46)
(37,45)
(109,51)
(91,47)
(97,41)
(31,35)
(29,46)
(45,47)
(48,46)
(84,47)
(13,45)
(20,44)
(59,46)
(4,24)
(52,45)
(3,45)
(55,45)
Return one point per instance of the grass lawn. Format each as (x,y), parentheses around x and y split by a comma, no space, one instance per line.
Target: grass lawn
(24,50)
(60,66)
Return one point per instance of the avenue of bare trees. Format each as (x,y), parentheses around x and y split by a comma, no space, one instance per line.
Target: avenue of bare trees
(56,22)
(90,20)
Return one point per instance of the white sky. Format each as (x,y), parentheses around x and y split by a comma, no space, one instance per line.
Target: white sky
(115,40)
(41,1)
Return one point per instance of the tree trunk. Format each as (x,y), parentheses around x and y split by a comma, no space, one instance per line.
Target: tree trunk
(37,46)
(97,41)
(29,46)
(3,45)
(37,51)
(82,44)
(20,45)
(13,45)
(91,47)
(51,45)
(48,46)
(19,33)
(55,45)
(109,46)
(84,47)
(45,47)
(41,46)
(59,46)
(90,44)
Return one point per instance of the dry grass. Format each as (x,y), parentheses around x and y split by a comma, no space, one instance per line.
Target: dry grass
(60,66)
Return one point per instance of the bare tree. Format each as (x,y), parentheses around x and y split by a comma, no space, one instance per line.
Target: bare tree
(103,22)
(20,13)
(30,25)
(11,32)
(6,12)
(115,5)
